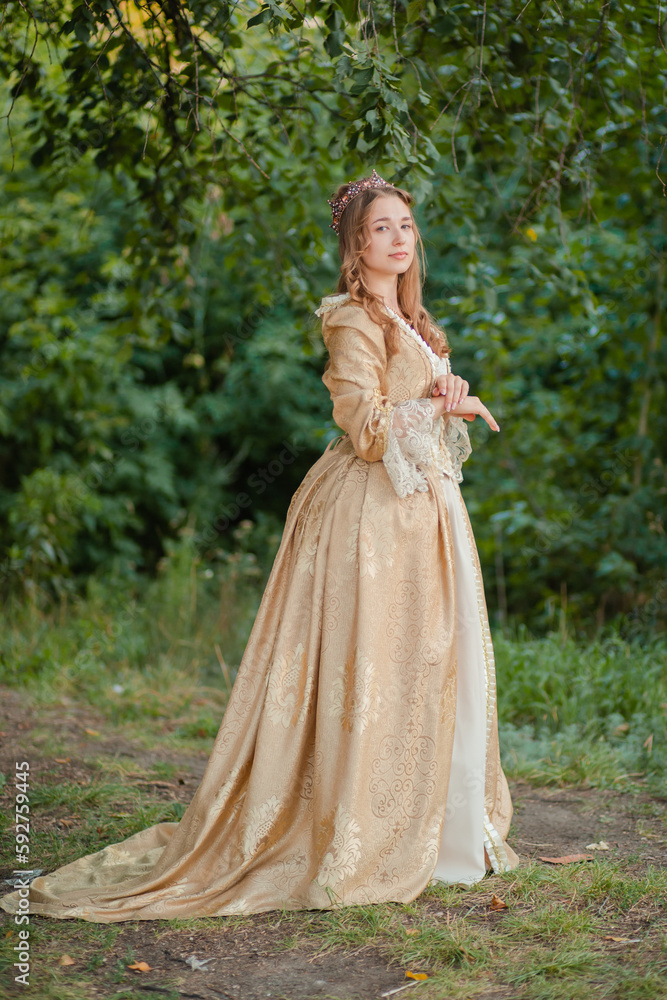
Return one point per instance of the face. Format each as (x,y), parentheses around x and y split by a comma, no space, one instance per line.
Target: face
(392,236)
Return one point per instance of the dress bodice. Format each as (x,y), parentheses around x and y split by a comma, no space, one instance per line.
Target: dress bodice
(384,403)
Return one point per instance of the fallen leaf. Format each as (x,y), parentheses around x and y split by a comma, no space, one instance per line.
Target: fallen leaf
(61,760)
(498,904)
(568,859)
(610,937)
(197,964)
(140,967)
(66,822)
(602,846)
(413,930)
(92,732)
(65,960)
(415,975)
(400,989)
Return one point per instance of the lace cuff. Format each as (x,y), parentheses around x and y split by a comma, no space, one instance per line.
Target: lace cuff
(409,447)
(455,445)
(454,438)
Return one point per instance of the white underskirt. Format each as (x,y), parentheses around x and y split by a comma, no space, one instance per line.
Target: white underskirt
(461,854)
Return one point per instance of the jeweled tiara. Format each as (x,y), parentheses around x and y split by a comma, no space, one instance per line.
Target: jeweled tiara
(338,205)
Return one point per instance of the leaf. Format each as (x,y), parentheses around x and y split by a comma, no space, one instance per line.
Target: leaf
(414,10)
(49,549)
(140,967)
(602,846)
(334,42)
(568,859)
(263,16)
(498,904)
(92,732)
(198,964)
(65,960)
(419,976)
(61,760)
(621,940)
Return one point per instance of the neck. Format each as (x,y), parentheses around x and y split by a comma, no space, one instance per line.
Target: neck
(385,286)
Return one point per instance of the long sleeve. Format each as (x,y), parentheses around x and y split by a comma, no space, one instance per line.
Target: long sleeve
(402,435)
(410,444)
(357,362)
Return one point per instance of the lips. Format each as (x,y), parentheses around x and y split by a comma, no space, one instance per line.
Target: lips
(399,253)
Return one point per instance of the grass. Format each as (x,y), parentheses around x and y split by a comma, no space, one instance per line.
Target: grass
(159,674)
(552,941)
(593,712)
(590,712)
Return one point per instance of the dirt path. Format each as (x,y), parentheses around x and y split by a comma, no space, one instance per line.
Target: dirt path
(248,957)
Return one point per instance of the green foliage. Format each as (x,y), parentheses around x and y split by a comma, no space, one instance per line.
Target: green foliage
(112,437)
(558,683)
(559,330)
(164,241)
(592,713)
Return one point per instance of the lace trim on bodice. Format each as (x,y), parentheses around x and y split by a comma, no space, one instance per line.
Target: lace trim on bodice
(415,440)
(440,366)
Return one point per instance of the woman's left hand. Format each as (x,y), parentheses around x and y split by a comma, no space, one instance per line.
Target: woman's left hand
(453,388)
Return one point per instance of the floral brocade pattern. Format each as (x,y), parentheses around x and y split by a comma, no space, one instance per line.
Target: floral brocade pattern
(339,848)
(328,779)
(290,686)
(355,694)
(410,439)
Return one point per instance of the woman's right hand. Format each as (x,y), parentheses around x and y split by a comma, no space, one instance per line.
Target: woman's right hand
(471,407)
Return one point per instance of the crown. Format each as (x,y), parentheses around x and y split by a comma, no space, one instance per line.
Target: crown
(338,205)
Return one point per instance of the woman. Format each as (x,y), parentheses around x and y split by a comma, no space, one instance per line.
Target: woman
(357,759)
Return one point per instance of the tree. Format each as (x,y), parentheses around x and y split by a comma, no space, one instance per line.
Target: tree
(533,138)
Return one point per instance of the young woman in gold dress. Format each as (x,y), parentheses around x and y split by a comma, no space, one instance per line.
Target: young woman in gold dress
(357,760)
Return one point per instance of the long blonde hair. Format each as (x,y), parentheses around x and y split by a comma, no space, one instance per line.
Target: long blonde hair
(353,240)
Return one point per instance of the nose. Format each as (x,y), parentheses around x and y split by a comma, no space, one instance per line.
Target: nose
(399,237)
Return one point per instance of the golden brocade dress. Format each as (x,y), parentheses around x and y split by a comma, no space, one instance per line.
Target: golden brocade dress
(357,760)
